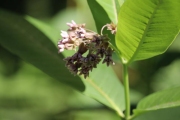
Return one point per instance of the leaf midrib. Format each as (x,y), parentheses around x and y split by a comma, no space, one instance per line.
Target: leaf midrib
(116,108)
(115,11)
(164,105)
(144,35)
(156,107)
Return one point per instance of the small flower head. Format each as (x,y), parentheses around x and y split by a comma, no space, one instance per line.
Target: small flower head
(72,25)
(96,46)
(112,27)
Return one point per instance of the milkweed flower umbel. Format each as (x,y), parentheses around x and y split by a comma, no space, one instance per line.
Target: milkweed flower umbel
(96,46)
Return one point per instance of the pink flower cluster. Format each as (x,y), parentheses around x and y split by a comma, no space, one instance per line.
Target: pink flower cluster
(73,37)
(92,48)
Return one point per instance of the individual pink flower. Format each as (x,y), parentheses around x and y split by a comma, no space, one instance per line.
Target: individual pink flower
(65,36)
(61,47)
(72,25)
(112,27)
(72,35)
(81,32)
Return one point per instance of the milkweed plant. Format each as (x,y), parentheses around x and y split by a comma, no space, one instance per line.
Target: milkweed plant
(142,29)
(133,30)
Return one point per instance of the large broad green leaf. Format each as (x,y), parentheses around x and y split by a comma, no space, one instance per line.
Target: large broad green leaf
(163,104)
(146,28)
(23,39)
(105,11)
(102,85)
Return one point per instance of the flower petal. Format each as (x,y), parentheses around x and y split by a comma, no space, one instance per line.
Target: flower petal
(61,50)
(61,46)
(64,34)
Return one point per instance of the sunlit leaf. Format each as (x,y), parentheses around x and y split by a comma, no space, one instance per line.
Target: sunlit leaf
(146,28)
(26,41)
(159,104)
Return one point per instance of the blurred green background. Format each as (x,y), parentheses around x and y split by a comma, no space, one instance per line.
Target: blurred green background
(26,93)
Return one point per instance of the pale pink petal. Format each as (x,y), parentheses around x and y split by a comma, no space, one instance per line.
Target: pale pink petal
(64,34)
(61,50)
(73,22)
(65,40)
(69,24)
(59,42)
(82,30)
(61,46)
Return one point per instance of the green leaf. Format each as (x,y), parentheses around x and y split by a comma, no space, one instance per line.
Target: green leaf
(23,39)
(163,99)
(162,114)
(109,7)
(161,102)
(102,85)
(94,114)
(146,28)
(105,11)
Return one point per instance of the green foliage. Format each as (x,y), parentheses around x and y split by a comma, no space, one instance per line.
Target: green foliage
(105,11)
(163,99)
(30,44)
(102,86)
(146,28)
(109,7)
(160,103)
(162,114)
(106,88)
(25,96)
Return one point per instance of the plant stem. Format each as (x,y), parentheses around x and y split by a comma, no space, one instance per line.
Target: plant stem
(126,90)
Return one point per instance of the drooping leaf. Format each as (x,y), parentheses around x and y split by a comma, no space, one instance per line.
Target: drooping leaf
(26,41)
(159,104)
(146,28)
(102,85)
